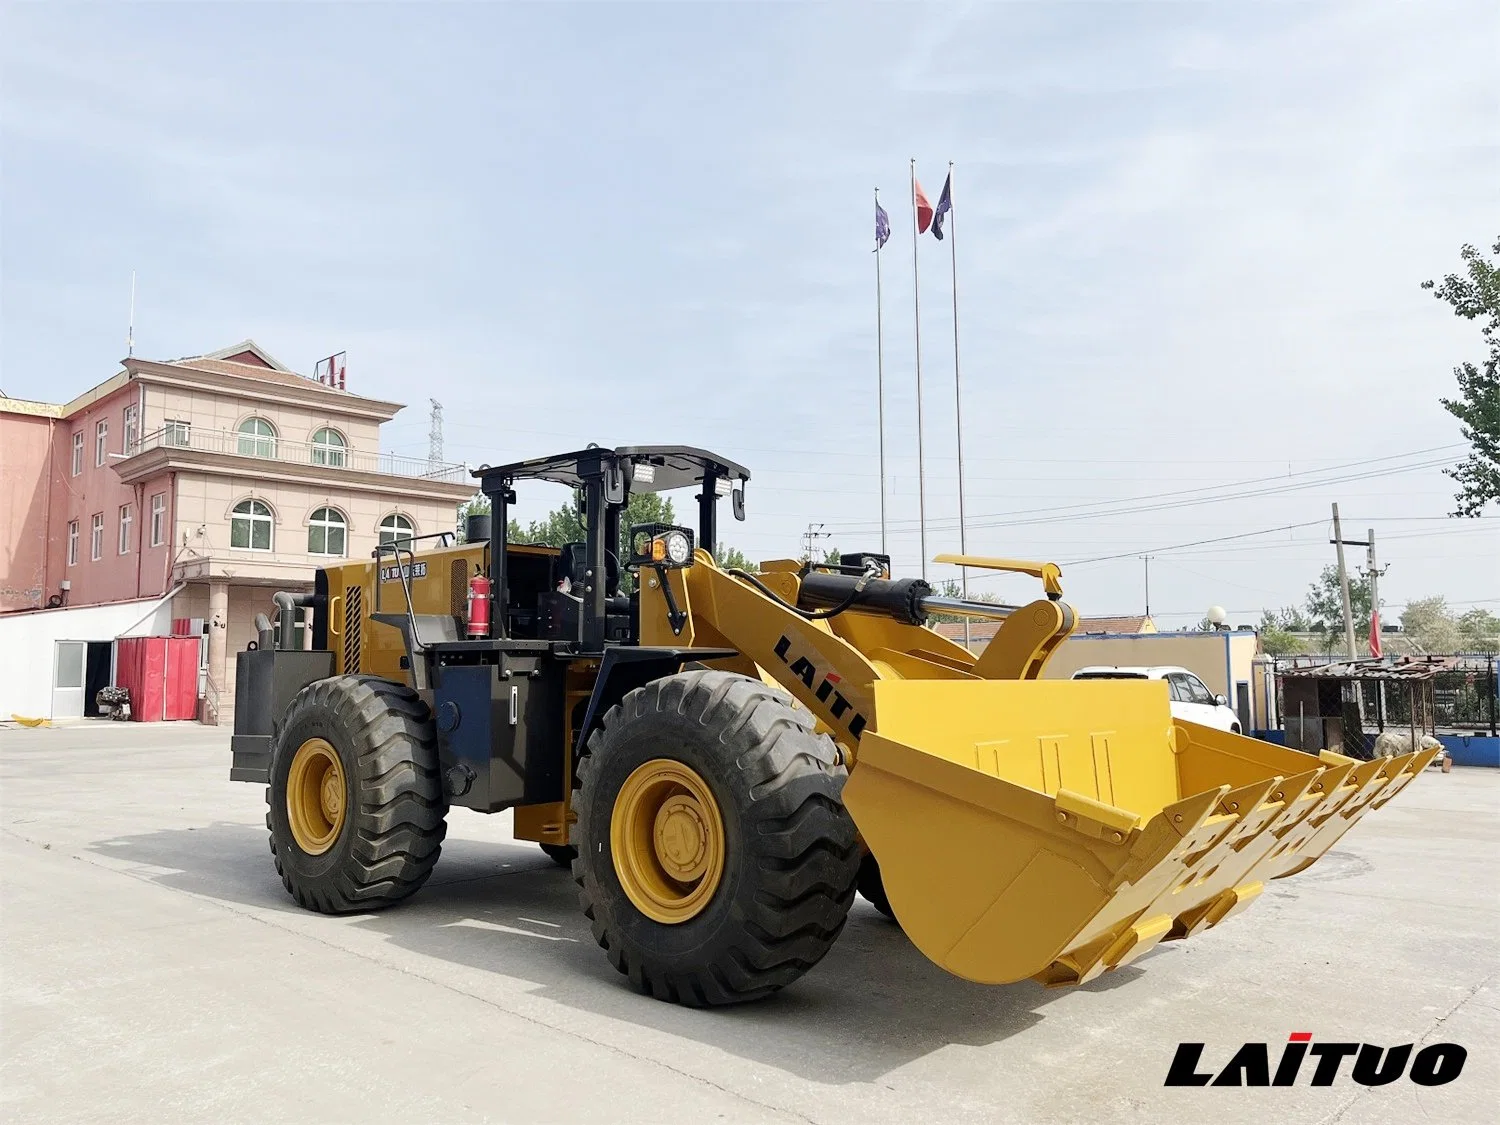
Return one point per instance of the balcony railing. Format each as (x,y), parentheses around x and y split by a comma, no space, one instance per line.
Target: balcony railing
(266,448)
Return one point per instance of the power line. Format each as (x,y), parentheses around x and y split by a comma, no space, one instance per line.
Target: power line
(849,454)
(1198,542)
(1180,497)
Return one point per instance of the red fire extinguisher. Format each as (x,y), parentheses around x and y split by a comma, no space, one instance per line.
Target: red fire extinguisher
(479,607)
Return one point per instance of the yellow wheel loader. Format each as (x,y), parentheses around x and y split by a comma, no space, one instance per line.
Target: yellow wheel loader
(724,757)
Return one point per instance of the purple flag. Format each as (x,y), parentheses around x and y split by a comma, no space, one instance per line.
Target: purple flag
(945,204)
(882,225)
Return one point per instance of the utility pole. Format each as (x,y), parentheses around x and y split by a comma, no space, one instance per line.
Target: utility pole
(813,533)
(1338,539)
(1147,560)
(1375,645)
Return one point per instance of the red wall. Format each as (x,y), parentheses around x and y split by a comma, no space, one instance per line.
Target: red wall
(142,571)
(26,451)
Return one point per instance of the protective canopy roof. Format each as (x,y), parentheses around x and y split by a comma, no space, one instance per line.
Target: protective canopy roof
(670,467)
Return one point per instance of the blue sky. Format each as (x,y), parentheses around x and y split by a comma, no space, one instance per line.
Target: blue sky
(1190,238)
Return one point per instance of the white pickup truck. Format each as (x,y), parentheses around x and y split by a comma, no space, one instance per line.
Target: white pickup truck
(1191,700)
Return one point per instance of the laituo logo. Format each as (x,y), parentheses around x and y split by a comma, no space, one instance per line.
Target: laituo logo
(1434,1065)
(824,685)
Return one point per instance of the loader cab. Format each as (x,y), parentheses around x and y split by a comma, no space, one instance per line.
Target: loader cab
(585,598)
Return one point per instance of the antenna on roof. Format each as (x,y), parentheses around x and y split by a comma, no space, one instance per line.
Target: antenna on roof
(130,331)
(435,436)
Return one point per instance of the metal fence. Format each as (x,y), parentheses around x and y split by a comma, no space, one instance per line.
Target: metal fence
(1462,698)
(265,447)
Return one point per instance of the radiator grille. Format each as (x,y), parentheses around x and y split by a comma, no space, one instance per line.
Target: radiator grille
(353,616)
(458,591)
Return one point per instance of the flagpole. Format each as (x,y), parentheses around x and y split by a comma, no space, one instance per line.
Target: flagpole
(916,302)
(958,398)
(880,377)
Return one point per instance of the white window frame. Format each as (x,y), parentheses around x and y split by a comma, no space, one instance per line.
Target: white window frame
(77,452)
(72,542)
(251,442)
(125,521)
(340,522)
(96,537)
(132,428)
(334,454)
(158,518)
(101,442)
(177,433)
(251,518)
(391,534)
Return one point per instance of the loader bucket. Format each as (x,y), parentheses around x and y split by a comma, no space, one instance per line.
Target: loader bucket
(1056,829)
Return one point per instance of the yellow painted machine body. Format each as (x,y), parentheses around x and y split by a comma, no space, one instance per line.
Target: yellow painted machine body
(438,578)
(1023,827)
(1051,829)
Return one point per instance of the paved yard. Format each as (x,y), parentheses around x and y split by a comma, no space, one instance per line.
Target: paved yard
(155,971)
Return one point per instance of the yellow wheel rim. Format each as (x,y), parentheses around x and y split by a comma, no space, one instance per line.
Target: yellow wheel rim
(668,841)
(315,803)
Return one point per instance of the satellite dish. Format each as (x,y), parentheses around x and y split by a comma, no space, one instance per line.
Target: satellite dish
(1216,615)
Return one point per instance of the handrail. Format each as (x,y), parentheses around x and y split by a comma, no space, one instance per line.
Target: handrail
(282,451)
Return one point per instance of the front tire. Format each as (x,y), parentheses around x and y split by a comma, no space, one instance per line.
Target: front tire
(716,859)
(356,803)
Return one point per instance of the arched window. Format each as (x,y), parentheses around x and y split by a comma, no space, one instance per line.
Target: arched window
(257,438)
(328,448)
(327,532)
(250,526)
(396,527)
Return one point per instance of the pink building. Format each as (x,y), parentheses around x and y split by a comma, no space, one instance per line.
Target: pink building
(218,478)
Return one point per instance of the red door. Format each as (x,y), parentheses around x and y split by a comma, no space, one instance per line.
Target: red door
(180,696)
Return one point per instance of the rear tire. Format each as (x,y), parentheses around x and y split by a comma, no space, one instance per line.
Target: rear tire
(387,833)
(784,856)
(872,887)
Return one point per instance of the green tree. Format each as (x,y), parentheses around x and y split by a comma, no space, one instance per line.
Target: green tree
(1276,634)
(1476,296)
(1325,604)
(1480,630)
(1430,626)
(732,558)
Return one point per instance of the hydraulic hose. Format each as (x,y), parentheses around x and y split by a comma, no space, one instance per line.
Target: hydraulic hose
(806,615)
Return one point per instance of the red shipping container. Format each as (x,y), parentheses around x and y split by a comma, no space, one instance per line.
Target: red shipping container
(161,674)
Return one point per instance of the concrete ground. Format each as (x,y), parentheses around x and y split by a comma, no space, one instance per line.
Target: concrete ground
(154,970)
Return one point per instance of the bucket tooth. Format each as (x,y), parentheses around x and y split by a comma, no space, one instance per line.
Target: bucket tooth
(1337,814)
(1230,903)
(1177,830)
(1110,952)
(1412,765)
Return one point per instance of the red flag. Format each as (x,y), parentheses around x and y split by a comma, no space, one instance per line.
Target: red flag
(1375,633)
(924,210)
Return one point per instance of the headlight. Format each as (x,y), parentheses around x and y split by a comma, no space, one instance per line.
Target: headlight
(661,544)
(678,548)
